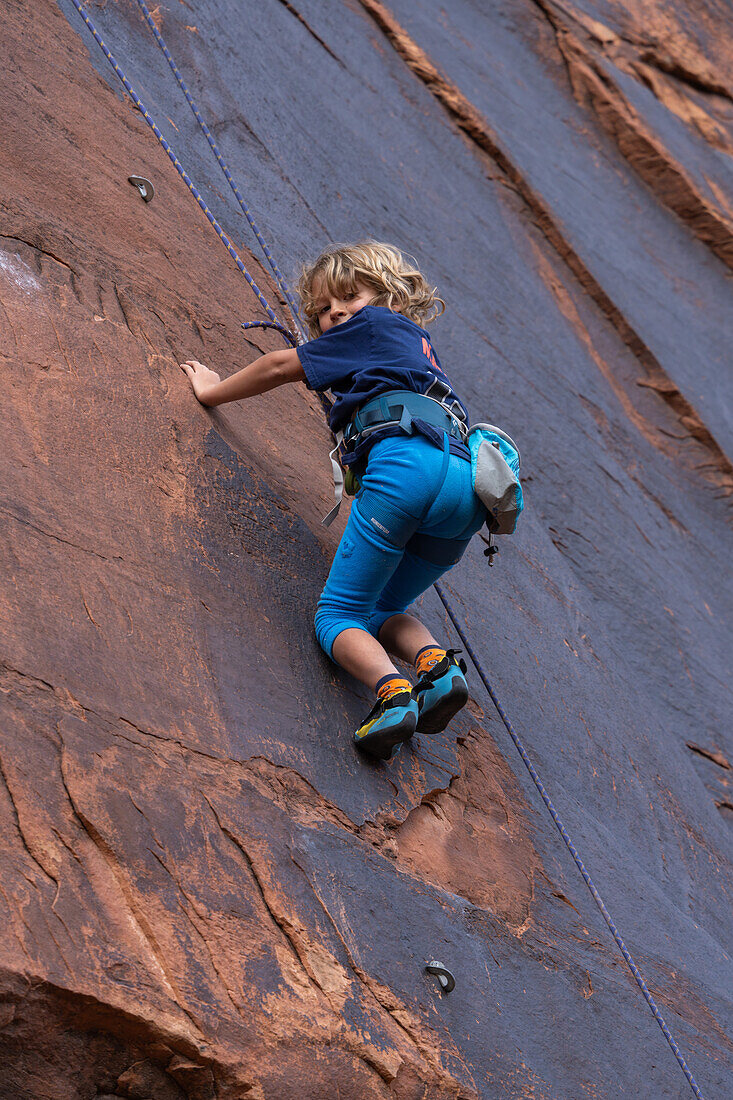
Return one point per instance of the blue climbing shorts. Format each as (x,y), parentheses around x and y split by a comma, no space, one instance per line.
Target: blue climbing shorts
(411,522)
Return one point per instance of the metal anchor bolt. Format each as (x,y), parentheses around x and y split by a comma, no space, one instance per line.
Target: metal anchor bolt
(444,975)
(144,186)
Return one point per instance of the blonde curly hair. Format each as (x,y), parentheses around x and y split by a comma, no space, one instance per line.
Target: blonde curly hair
(397,283)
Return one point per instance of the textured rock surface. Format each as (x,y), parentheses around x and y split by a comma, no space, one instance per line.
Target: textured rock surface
(203,892)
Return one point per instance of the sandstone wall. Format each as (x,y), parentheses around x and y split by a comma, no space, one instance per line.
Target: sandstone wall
(204,891)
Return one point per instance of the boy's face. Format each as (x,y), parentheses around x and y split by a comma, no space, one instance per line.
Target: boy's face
(333,309)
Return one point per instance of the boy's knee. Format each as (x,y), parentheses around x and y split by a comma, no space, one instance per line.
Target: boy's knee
(330,622)
(323,622)
(377,620)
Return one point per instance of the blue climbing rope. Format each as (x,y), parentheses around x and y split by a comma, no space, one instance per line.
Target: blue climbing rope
(224,167)
(177,165)
(274,323)
(571,847)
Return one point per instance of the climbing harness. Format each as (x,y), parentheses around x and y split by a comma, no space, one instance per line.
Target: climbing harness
(394,409)
(494,455)
(438,587)
(398,409)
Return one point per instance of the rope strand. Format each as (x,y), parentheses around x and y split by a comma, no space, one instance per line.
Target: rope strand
(279,278)
(176,163)
(571,847)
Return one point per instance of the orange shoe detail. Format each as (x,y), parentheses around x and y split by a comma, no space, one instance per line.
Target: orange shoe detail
(428,658)
(389,686)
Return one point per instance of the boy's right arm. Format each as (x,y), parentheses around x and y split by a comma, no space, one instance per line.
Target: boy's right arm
(266,373)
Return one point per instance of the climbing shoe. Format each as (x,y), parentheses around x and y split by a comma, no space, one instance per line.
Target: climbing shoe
(390,722)
(440,693)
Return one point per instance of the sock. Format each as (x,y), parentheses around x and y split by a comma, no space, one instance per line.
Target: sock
(428,658)
(390,685)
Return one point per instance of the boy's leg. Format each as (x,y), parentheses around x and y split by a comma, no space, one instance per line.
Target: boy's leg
(363,656)
(404,636)
(399,486)
(367,657)
(373,578)
(441,690)
(363,563)
(397,630)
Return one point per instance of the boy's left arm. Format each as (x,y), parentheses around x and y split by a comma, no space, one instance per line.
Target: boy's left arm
(271,370)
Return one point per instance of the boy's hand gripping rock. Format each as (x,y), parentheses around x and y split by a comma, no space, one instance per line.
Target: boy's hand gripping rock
(200,377)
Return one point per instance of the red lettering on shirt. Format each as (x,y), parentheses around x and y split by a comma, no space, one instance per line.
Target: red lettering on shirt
(429,353)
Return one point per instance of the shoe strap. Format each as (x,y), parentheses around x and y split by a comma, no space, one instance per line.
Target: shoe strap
(451,655)
(399,699)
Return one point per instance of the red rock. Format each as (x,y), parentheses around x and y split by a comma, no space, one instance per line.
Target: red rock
(203,891)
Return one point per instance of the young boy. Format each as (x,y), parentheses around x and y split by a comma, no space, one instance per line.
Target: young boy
(403,442)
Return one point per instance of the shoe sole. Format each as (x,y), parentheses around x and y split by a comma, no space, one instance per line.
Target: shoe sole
(381,744)
(440,715)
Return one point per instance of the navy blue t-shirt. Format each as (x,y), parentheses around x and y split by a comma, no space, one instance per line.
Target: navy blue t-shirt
(375,351)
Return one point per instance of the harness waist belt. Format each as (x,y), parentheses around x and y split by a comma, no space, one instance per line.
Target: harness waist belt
(398,408)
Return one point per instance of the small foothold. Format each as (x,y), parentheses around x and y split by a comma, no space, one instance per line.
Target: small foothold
(446,979)
(144,186)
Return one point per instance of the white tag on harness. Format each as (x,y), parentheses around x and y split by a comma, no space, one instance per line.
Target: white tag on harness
(338,481)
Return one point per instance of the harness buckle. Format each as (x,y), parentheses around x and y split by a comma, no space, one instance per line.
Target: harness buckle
(406,421)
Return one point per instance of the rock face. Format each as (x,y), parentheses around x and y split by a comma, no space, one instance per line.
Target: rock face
(204,892)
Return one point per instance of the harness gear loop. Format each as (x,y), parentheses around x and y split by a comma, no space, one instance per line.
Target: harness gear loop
(337,473)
